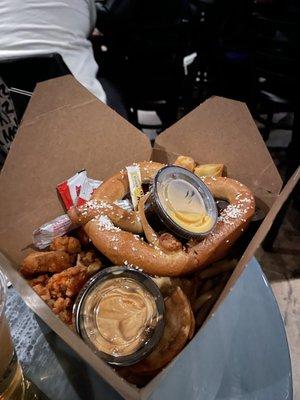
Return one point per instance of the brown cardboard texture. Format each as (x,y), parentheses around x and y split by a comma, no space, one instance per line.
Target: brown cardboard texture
(67,129)
(259,236)
(223,131)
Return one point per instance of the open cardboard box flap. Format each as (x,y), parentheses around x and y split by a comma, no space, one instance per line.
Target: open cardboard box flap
(66,129)
(223,131)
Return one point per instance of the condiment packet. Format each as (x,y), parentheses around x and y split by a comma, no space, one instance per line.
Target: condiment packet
(69,190)
(135,184)
(75,191)
(86,191)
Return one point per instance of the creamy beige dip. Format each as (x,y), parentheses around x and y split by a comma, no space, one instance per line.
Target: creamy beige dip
(119,316)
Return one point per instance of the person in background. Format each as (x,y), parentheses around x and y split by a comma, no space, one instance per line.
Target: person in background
(34,27)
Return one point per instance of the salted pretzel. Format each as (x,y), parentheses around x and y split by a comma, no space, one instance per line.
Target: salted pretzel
(113,189)
(112,230)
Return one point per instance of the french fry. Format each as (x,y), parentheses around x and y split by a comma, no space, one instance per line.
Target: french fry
(203,312)
(202,299)
(207,285)
(217,269)
(207,302)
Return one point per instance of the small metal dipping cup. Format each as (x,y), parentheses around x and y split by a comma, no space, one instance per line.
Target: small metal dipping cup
(154,206)
(81,320)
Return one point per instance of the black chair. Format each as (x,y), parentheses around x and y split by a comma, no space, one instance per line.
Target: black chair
(155,73)
(275,68)
(202,77)
(144,44)
(21,75)
(276,83)
(221,34)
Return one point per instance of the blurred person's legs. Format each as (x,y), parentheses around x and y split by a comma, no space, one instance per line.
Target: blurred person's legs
(114,98)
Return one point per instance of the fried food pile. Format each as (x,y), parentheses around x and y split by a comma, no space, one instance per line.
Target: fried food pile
(186,273)
(58,275)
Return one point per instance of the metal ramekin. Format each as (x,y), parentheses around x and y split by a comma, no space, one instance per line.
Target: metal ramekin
(149,285)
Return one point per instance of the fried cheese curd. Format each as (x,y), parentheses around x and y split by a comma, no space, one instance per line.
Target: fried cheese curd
(62,273)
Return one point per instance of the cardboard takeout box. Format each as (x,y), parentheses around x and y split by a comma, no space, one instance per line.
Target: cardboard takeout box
(66,129)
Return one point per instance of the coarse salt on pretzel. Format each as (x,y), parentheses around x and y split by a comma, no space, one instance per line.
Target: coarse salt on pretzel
(113,189)
(123,247)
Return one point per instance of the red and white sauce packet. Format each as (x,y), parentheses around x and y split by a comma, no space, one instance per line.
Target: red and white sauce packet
(74,192)
(77,190)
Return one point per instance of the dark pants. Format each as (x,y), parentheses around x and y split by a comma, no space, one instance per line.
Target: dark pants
(114,97)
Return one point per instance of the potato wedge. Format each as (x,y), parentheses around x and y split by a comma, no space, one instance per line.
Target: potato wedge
(209,170)
(179,327)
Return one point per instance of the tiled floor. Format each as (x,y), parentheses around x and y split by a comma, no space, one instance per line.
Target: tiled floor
(282,268)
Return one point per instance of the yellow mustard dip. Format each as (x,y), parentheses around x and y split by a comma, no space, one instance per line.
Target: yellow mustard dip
(185,206)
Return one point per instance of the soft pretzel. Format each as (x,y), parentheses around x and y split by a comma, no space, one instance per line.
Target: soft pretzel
(115,188)
(123,247)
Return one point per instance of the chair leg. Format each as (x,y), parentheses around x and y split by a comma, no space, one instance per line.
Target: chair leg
(133,117)
(268,243)
(268,125)
(293,152)
(167,114)
(292,163)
